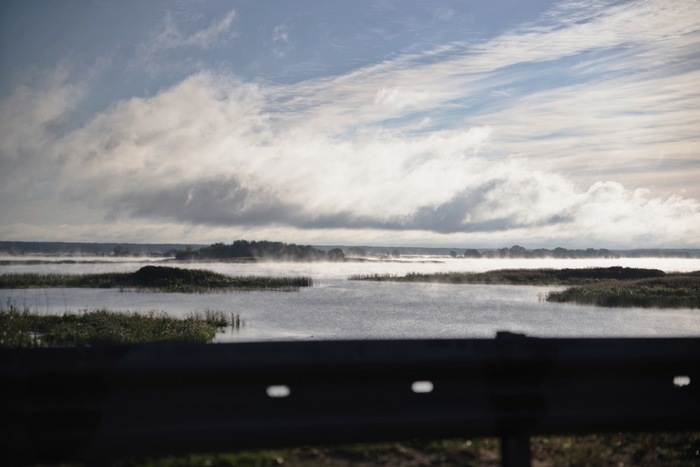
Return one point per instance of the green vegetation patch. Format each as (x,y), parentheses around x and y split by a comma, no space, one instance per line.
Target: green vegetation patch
(20,327)
(522,276)
(156,278)
(671,291)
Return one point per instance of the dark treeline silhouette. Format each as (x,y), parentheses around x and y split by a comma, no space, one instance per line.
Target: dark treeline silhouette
(255,250)
(170,249)
(99,249)
(517,251)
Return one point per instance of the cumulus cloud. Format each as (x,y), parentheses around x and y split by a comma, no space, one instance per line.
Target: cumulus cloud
(32,118)
(205,152)
(210,125)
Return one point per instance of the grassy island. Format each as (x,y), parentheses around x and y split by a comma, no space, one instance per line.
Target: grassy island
(25,328)
(613,286)
(670,291)
(522,276)
(157,279)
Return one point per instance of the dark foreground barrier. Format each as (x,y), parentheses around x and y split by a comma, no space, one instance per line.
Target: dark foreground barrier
(93,404)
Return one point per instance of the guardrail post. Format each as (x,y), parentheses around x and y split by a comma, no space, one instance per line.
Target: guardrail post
(515,450)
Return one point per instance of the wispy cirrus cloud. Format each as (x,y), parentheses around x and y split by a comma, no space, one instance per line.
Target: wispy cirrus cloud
(171,35)
(281,43)
(604,43)
(617,83)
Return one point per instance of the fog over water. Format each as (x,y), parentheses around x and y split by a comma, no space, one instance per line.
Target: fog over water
(336,308)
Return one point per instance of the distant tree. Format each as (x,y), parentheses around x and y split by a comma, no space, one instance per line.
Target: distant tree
(472,253)
(336,254)
(187,254)
(119,251)
(560,252)
(263,249)
(395,253)
(518,251)
(540,253)
(357,251)
(453,254)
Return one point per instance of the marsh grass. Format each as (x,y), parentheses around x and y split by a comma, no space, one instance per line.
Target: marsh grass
(672,291)
(521,276)
(218,319)
(157,279)
(611,287)
(21,327)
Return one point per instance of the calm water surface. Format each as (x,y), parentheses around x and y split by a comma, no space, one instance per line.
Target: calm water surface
(336,308)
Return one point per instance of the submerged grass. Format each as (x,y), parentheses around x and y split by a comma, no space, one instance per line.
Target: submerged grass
(157,279)
(21,327)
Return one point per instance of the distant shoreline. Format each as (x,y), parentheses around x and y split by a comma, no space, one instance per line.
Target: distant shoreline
(166,250)
(173,261)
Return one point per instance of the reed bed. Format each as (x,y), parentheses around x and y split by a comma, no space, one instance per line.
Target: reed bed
(22,327)
(673,291)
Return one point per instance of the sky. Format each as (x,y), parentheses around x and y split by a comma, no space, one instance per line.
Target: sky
(469,124)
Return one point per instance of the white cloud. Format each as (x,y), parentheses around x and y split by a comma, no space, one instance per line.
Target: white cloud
(205,152)
(171,35)
(280,34)
(608,210)
(615,128)
(444,14)
(281,44)
(446,76)
(575,28)
(400,98)
(31,119)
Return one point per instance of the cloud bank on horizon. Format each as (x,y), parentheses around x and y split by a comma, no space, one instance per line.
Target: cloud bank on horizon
(399,123)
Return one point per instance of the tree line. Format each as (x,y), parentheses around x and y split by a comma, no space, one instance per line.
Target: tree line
(517,251)
(261,250)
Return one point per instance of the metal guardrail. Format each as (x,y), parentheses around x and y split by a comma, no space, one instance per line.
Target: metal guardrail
(91,404)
